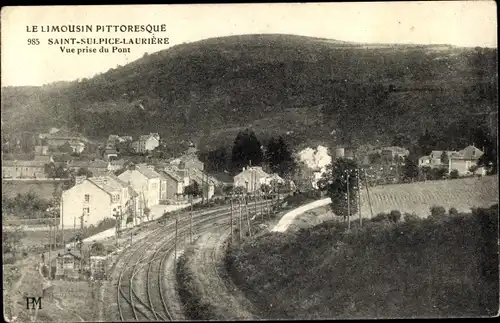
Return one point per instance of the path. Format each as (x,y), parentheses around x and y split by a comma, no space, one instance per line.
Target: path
(288,218)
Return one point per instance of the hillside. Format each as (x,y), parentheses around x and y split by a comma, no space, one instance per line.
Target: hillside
(462,194)
(436,267)
(201,89)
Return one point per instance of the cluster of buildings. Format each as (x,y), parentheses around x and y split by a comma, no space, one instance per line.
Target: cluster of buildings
(462,161)
(134,191)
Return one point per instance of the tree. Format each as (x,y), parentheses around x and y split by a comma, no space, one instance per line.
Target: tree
(454,174)
(246,151)
(228,189)
(437,211)
(426,143)
(215,160)
(445,159)
(279,157)
(192,190)
(11,239)
(473,169)
(239,190)
(266,189)
(341,173)
(84,171)
(97,249)
(410,170)
(66,148)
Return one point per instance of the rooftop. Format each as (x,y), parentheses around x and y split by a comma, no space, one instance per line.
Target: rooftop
(24,163)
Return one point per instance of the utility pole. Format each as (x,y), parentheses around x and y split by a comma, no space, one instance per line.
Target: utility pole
(239,218)
(175,245)
(61,213)
(191,223)
(248,217)
(74,231)
(368,195)
(50,252)
(348,204)
(359,198)
(231,218)
(255,193)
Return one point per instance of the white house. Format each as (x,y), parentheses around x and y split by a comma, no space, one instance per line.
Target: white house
(464,159)
(146,143)
(251,178)
(146,182)
(92,200)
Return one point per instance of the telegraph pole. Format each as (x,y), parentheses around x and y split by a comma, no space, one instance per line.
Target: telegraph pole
(348,204)
(255,193)
(191,223)
(232,218)
(248,217)
(50,251)
(359,199)
(239,206)
(175,245)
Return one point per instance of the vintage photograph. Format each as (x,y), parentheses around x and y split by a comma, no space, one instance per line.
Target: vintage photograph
(250,161)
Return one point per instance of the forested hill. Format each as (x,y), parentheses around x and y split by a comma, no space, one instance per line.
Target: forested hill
(273,83)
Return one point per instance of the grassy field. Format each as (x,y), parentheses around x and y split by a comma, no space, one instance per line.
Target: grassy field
(43,189)
(433,267)
(462,194)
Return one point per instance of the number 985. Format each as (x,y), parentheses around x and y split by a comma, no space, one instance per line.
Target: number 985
(33,41)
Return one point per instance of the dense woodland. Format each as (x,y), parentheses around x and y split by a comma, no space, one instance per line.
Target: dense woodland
(203,88)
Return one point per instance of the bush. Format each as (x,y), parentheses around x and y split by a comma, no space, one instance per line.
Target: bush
(454,174)
(411,217)
(395,216)
(438,211)
(452,211)
(380,217)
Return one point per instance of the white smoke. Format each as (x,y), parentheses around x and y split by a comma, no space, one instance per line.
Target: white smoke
(315,159)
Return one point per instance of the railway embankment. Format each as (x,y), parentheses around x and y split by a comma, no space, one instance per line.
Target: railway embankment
(394,265)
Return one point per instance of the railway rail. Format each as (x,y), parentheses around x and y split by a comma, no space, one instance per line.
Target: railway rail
(140,293)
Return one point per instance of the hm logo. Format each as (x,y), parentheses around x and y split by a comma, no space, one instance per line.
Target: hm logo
(33,301)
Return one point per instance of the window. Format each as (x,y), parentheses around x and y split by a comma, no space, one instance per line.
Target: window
(115,198)
(87,198)
(86,211)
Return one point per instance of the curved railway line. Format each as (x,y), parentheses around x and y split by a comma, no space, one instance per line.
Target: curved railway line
(140,289)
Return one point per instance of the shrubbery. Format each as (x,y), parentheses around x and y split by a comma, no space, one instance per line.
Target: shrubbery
(437,212)
(386,268)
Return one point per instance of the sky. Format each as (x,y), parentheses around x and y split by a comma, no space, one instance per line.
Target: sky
(459,23)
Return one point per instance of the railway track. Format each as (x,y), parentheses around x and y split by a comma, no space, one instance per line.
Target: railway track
(141,293)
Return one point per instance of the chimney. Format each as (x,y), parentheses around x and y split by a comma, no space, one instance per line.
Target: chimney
(243,169)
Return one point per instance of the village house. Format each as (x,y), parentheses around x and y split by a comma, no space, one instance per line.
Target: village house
(146,143)
(146,182)
(204,181)
(92,200)
(110,153)
(434,158)
(45,159)
(76,142)
(17,169)
(251,178)
(394,153)
(117,164)
(41,150)
(174,185)
(188,161)
(96,167)
(464,159)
